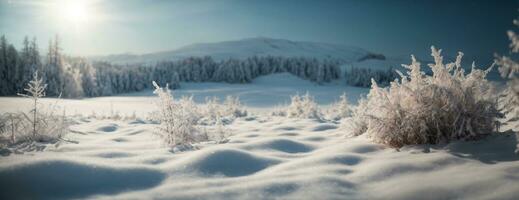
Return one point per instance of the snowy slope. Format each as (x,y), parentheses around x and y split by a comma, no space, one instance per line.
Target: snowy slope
(244,48)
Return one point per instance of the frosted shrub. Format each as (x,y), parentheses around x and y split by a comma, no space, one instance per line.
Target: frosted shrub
(212,109)
(279,110)
(303,107)
(232,107)
(190,107)
(357,124)
(178,120)
(221,132)
(340,109)
(10,127)
(40,124)
(509,69)
(421,109)
(225,112)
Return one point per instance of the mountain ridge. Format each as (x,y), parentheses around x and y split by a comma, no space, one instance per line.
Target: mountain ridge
(247,47)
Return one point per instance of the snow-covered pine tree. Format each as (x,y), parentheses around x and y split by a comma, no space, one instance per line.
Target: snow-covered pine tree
(26,65)
(4,84)
(52,72)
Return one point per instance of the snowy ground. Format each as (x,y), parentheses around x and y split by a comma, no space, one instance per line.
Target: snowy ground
(263,93)
(265,158)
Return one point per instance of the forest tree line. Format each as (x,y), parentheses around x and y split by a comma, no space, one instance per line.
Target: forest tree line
(74,77)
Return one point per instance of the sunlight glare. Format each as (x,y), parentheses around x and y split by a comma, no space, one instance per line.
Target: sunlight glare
(75,11)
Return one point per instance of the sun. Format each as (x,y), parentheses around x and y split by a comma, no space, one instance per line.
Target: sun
(74,16)
(76,12)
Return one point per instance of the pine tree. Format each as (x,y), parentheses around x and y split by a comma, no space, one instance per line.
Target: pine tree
(4,84)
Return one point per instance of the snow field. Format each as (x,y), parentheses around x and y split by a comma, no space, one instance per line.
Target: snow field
(267,158)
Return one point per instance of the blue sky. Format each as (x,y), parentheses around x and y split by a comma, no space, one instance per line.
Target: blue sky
(397,27)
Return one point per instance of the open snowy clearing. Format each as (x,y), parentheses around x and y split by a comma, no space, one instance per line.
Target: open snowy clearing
(265,158)
(264,92)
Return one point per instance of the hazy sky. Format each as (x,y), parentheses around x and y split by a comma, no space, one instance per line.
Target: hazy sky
(94,27)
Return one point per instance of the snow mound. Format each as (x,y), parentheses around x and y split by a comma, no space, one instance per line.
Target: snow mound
(55,179)
(228,162)
(285,128)
(324,127)
(364,148)
(283,145)
(289,134)
(315,138)
(120,140)
(114,155)
(347,159)
(494,149)
(108,128)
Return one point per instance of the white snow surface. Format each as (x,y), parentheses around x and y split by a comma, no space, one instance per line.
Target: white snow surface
(264,93)
(244,48)
(266,157)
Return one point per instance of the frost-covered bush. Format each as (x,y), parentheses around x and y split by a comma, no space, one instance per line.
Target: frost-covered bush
(422,109)
(212,109)
(178,119)
(509,69)
(279,111)
(221,132)
(303,107)
(225,112)
(232,107)
(40,124)
(10,127)
(340,109)
(357,124)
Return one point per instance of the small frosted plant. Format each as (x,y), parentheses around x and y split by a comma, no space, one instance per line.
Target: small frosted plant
(303,107)
(35,90)
(221,132)
(232,107)
(40,124)
(213,109)
(10,125)
(357,124)
(178,120)
(340,109)
(226,111)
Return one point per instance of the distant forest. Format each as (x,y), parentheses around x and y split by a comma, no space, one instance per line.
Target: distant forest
(75,77)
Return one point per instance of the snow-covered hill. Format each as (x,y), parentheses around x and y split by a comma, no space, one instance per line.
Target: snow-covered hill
(244,48)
